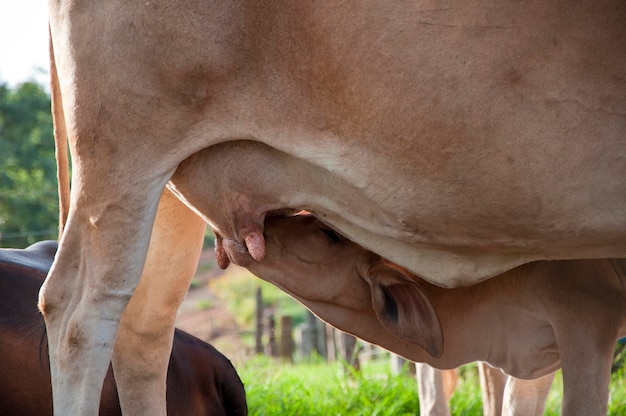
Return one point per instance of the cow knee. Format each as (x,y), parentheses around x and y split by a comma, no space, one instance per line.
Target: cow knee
(51,300)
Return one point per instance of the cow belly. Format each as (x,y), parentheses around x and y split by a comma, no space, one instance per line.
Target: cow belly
(234,185)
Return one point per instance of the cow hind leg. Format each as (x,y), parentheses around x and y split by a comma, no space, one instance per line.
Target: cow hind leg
(144,341)
(492,382)
(586,378)
(96,269)
(526,397)
(430,388)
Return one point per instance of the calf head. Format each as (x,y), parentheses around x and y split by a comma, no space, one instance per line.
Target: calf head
(348,286)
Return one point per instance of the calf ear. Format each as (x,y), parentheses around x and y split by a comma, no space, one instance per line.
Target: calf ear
(404,309)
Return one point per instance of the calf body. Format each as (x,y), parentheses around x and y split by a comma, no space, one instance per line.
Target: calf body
(201,381)
(529,321)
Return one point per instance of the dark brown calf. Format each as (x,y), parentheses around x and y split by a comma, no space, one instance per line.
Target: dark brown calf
(200,380)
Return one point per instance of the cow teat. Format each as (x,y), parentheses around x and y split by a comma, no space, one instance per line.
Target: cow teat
(255,243)
(220,253)
(227,250)
(236,252)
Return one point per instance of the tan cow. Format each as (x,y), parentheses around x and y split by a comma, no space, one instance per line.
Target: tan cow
(528,321)
(458,140)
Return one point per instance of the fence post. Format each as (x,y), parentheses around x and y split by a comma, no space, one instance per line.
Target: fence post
(286,338)
(259,321)
(348,350)
(317,334)
(310,320)
(271,326)
(331,345)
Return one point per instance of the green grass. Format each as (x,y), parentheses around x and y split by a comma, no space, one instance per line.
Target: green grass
(275,388)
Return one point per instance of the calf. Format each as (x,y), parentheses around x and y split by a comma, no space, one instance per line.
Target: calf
(201,381)
(528,321)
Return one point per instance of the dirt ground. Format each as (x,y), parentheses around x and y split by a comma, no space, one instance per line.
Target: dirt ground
(206,316)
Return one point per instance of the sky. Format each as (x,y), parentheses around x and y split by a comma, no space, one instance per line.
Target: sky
(23,41)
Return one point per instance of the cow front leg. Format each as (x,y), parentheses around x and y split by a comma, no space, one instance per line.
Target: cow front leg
(96,269)
(586,338)
(144,341)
